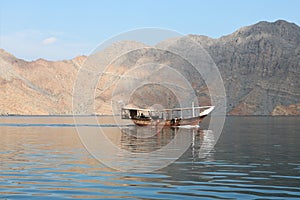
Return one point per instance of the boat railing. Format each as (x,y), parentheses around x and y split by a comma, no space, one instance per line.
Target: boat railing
(166,114)
(187,112)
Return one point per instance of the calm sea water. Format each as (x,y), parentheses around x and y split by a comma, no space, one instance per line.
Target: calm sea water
(254,158)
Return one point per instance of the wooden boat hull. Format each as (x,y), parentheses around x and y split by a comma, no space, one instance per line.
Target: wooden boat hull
(166,117)
(174,122)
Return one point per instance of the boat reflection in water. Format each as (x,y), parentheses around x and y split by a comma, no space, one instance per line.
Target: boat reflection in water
(132,148)
(148,139)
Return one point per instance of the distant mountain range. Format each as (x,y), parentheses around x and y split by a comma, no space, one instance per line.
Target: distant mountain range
(259,64)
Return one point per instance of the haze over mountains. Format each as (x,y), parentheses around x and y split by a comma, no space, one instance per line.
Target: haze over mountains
(259,64)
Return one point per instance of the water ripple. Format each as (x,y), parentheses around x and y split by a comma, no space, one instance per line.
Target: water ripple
(41,162)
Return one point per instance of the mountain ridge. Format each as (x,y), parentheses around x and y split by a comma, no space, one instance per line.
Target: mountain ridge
(263,59)
(259,64)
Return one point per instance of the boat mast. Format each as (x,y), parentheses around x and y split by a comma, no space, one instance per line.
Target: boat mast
(193,109)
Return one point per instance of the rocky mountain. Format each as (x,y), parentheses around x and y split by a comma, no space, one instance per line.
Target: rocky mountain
(36,88)
(259,64)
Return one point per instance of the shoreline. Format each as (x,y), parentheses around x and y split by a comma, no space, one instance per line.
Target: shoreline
(107,115)
(56,115)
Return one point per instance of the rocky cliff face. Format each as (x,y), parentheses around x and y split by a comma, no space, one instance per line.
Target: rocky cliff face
(36,88)
(259,64)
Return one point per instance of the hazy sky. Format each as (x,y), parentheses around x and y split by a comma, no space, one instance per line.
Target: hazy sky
(62,29)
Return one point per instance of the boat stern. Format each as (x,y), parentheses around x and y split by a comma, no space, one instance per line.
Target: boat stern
(207,111)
